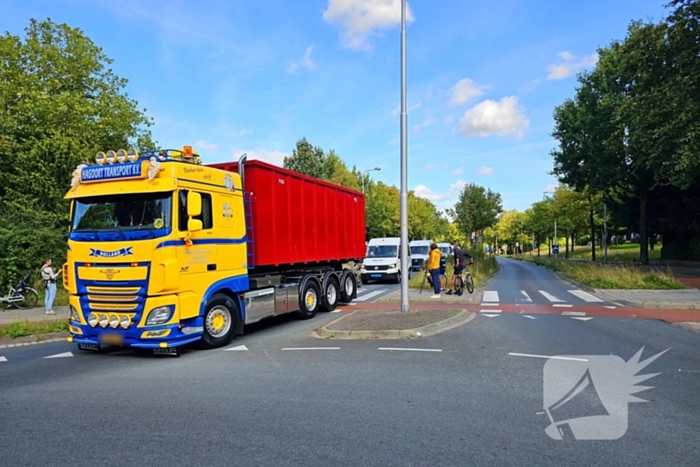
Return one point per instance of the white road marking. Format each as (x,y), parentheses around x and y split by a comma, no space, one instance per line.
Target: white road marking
(526,297)
(61,355)
(547,356)
(562,306)
(311,348)
(2,359)
(490,316)
(580,318)
(585,296)
(490,304)
(410,350)
(610,307)
(369,295)
(490,296)
(684,371)
(238,347)
(529,317)
(490,311)
(334,311)
(352,304)
(573,313)
(549,296)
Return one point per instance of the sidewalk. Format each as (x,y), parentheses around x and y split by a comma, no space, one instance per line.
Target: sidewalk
(13,315)
(688,299)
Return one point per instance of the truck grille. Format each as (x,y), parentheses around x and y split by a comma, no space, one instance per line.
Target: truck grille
(113,290)
(376,268)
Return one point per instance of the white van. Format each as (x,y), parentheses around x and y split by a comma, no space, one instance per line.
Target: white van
(419,253)
(383,260)
(445,248)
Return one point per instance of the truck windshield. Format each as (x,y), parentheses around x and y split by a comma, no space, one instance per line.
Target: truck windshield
(122,217)
(419,250)
(382,251)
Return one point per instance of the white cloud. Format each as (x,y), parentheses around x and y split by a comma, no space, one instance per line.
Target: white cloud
(273,157)
(549,188)
(484,171)
(458,171)
(504,118)
(442,200)
(360,19)
(397,110)
(304,62)
(464,91)
(205,145)
(244,132)
(427,122)
(570,66)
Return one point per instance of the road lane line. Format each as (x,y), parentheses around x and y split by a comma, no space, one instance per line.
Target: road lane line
(549,296)
(573,313)
(610,307)
(488,315)
(238,347)
(490,304)
(369,295)
(2,359)
(410,350)
(512,354)
(490,296)
(562,306)
(311,348)
(529,317)
(489,311)
(580,318)
(61,355)
(525,295)
(585,296)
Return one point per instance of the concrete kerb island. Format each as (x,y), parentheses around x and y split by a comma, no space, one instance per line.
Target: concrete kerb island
(335,329)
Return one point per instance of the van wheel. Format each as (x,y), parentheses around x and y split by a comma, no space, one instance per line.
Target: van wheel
(330,296)
(219,321)
(398,277)
(309,300)
(348,286)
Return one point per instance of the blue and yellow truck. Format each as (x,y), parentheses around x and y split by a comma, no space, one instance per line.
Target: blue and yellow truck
(164,251)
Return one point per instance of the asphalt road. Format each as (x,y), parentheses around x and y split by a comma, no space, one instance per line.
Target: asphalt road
(469,396)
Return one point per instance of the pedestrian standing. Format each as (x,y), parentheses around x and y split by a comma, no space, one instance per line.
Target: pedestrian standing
(49,275)
(434,268)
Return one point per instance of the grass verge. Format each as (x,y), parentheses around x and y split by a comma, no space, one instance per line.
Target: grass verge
(628,253)
(601,276)
(28,328)
(482,268)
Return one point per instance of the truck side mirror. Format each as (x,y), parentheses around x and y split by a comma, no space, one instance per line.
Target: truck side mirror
(194,225)
(194,205)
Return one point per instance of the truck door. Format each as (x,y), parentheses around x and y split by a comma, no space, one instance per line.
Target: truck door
(202,256)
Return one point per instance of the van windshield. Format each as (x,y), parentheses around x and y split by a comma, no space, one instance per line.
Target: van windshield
(445,250)
(382,251)
(419,250)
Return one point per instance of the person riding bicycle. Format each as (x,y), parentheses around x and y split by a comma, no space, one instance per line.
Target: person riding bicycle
(460,264)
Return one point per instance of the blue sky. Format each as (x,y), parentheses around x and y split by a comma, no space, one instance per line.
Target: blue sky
(255,76)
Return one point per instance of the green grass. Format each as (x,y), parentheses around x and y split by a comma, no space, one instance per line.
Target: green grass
(602,276)
(627,253)
(29,328)
(480,270)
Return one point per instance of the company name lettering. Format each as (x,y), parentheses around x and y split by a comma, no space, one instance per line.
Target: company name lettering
(106,172)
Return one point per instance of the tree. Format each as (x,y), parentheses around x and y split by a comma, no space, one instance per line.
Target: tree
(477,209)
(308,160)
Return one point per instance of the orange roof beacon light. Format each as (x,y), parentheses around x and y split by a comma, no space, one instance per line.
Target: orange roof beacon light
(187,152)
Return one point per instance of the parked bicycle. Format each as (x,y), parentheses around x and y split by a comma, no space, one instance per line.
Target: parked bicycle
(21,295)
(464,279)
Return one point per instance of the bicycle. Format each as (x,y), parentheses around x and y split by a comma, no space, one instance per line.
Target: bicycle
(463,279)
(21,295)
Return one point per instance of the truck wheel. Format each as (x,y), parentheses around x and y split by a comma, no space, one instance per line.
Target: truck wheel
(309,300)
(331,295)
(348,286)
(219,321)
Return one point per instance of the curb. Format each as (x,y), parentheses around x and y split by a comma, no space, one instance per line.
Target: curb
(8,343)
(460,318)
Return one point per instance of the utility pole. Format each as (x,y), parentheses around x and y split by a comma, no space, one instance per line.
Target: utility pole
(404,168)
(605,232)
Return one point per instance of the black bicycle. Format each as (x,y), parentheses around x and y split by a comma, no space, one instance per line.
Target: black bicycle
(21,295)
(464,280)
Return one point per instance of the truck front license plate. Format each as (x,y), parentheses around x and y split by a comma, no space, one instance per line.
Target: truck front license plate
(112,339)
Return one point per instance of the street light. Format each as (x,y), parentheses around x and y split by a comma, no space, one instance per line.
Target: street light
(363,176)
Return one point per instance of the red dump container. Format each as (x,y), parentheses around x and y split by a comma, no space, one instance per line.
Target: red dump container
(297,219)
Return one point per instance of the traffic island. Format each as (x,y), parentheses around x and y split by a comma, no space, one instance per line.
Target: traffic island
(366,324)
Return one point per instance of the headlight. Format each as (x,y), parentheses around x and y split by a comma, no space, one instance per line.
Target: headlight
(114,321)
(103,321)
(74,316)
(92,320)
(124,321)
(158,315)
(392,266)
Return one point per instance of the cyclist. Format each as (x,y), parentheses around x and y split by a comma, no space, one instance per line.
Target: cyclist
(460,264)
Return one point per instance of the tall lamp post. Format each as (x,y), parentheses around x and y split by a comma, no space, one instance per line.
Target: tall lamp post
(363,176)
(403,200)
